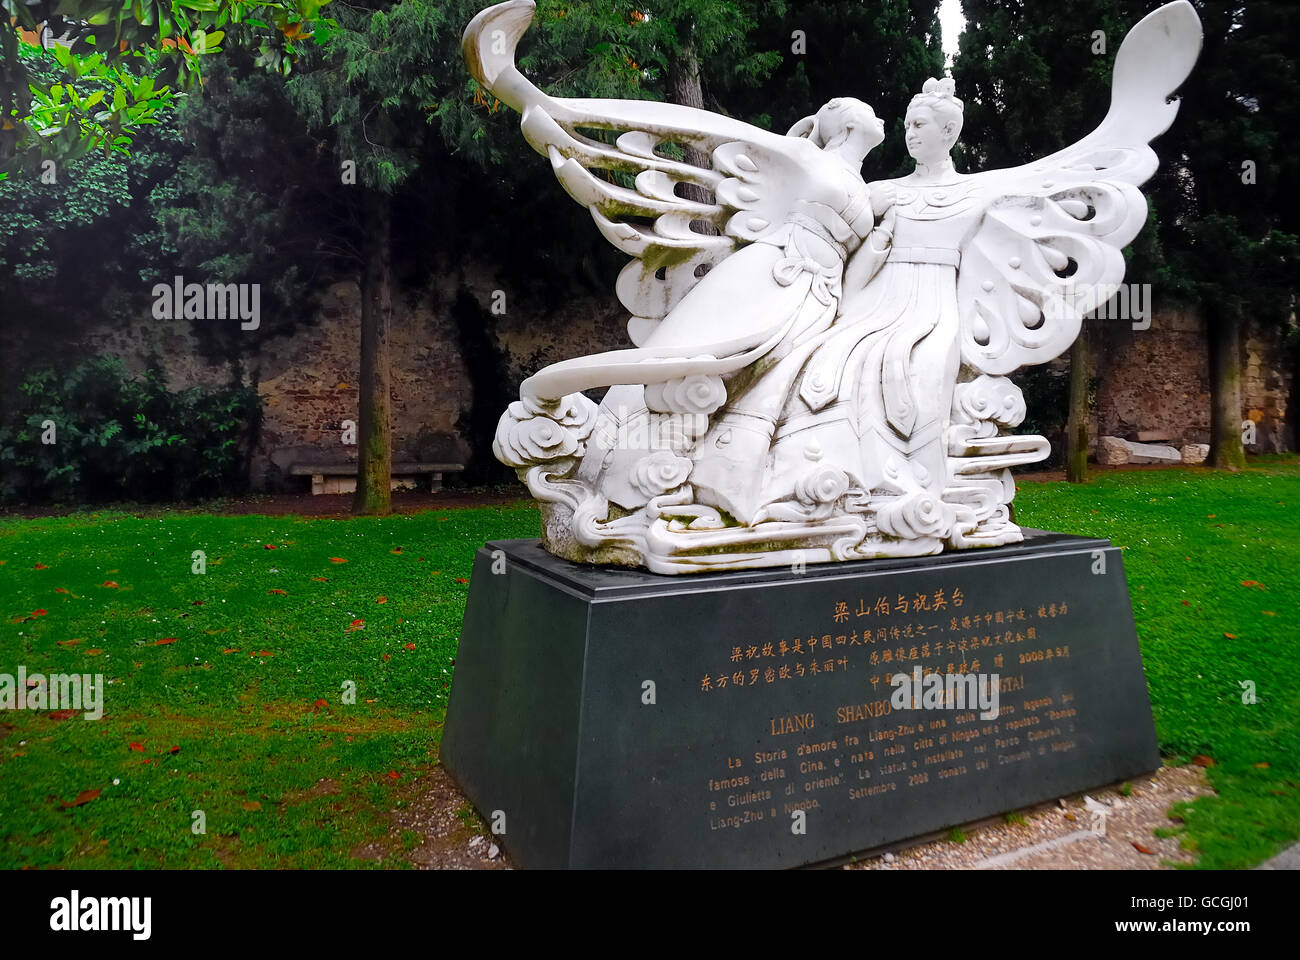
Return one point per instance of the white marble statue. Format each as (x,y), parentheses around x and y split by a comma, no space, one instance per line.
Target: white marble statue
(822,375)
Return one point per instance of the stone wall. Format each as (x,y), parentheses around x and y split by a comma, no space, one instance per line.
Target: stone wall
(1159,380)
(457,363)
(308,379)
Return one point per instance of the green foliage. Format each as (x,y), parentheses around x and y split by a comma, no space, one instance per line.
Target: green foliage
(879,52)
(119,437)
(1233,243)
(252,201)
(139,48)
(56,212)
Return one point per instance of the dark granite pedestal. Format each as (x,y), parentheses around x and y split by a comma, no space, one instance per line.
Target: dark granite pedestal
(616,718)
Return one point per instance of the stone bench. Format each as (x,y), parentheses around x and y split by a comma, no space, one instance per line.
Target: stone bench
(1116,451)
(342,477)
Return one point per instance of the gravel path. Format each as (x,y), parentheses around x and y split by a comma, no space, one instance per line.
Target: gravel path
(1059,835)
(1052,836)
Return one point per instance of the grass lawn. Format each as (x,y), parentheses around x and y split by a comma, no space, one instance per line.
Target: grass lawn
(226,688)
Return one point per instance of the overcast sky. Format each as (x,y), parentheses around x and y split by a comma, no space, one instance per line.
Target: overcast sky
(951,22)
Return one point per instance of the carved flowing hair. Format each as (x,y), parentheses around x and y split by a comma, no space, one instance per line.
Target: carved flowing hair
(829,127)
(938,96)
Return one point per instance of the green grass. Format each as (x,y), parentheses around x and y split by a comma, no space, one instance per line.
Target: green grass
(238,690)
(284,781)
(1212,561)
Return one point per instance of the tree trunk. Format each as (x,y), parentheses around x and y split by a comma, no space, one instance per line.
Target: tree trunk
(684,89)
(1224,332)
(374,466)
(1076,455)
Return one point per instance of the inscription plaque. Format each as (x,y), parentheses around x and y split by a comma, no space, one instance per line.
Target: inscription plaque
(614,718)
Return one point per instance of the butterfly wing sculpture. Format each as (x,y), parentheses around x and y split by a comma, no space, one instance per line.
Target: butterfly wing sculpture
(1048,250)
(673,237)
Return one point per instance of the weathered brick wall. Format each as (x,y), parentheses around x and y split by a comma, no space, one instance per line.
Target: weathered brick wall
(1159,379)
(308,379)
(1155,379)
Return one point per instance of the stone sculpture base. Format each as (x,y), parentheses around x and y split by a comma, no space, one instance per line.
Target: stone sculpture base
(615,718)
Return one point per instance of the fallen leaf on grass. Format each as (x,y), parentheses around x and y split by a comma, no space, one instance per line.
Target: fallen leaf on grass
(40,566)
(85,796)
(68,643)
(461,580)
(262,653)
(410,646)
(251,805)
(269,546)
(196,603)
(321,579)
(94,652)
(165,641)
(230,650)
(174,750)
(278,591)
(1253,583)
(137,747)
(1268,613)
(386,656)
(1201,760)
(355,625)
(1141,849)
(397,550)
(393,775)
(318,705)
(38,613)
(337,560)
(381,600)
(111,584)
(61,714)
(61,590)
(1231,636)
